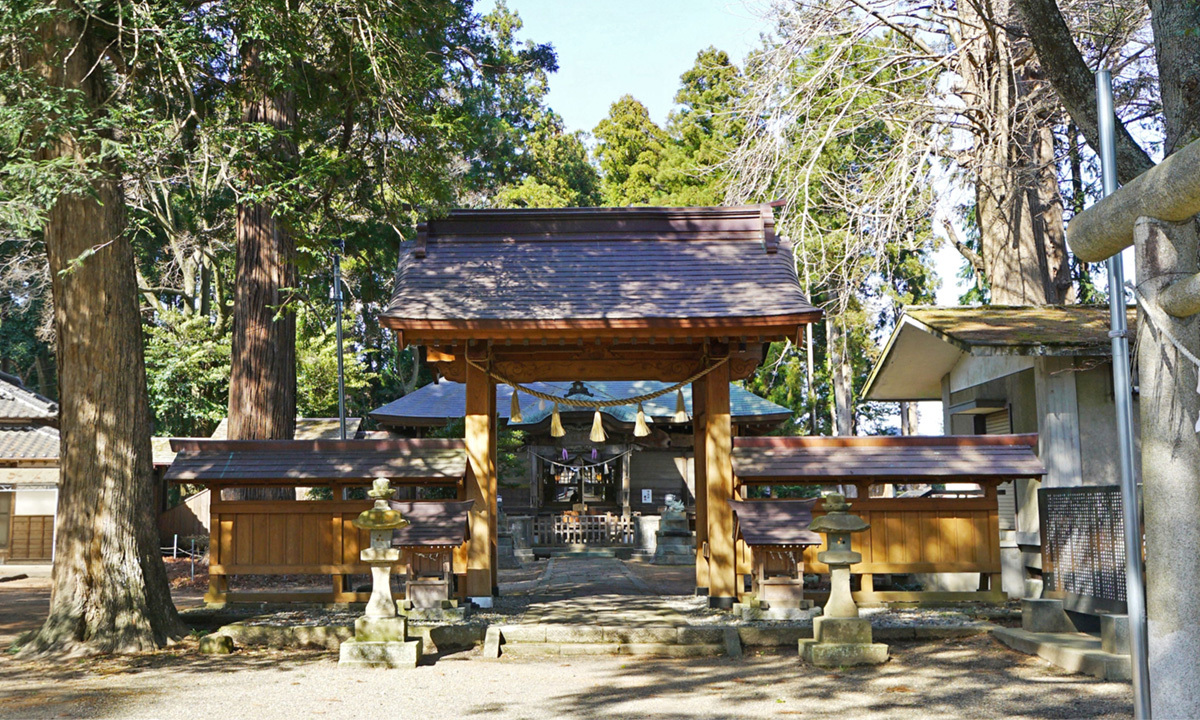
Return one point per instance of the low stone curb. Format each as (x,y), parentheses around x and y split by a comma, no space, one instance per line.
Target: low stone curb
(1073,652)
(435,638)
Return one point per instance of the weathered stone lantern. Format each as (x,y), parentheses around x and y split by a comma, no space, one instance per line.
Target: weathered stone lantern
(380,637)
(840,637)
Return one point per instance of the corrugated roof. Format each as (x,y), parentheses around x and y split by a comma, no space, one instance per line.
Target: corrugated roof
(277,462)
(885,458)
(598,264)
(436,404)
(433,523)
(19,405)
(28,442)
(1062,326)
(775,522)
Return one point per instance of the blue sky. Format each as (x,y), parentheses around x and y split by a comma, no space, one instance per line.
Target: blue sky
(607,48)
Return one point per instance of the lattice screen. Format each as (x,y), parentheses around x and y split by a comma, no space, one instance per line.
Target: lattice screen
(1083,539)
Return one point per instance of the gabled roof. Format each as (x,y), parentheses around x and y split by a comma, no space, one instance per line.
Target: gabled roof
(437,404)
(913,458)
(28,442)
(20,406)
(718,269)
(777,523)
(928,342)
(433,523)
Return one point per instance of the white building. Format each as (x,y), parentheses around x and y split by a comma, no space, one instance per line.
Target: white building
(28,473)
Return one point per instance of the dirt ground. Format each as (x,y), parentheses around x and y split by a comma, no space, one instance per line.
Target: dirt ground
(967,678)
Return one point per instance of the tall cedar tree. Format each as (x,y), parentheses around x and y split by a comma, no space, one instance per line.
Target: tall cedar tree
(109,591)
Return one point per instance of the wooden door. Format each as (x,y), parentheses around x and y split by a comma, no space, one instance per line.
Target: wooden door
(32,537)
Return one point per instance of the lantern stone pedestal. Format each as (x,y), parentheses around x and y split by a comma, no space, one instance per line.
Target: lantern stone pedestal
(840,637)
(380,636)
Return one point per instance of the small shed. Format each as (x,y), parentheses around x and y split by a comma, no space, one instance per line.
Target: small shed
(436,529)
(777,534)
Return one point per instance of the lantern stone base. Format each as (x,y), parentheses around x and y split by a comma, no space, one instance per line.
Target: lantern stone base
(392,629)
(392,654)
(842,642)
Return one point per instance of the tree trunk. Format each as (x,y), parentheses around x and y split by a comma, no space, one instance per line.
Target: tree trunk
(841,375)
(1018,207)
(1177,50)
(262,383)
(109,591)
(908,418)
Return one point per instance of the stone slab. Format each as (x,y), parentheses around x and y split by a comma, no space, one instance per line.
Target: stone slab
(1045,615)
(588,649)
(671,650)
(733,643)
(1073,652)
(447,638)
(700,635)
(523,633)
(327,637)
(380,654)
(832,655)
(491,642)
(641,634)
(369,629)
(575,634)
(842,631)
(772,637)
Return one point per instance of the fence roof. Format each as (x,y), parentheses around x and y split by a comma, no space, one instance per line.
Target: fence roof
(292,462)
(912,458)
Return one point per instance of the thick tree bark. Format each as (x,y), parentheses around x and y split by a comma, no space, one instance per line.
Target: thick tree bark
(110,591)
(1176,26)
(262,383)
(1073,81)
(1018,206)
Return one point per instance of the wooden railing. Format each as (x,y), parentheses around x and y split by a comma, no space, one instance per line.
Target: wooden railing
(918,536)
(599,530)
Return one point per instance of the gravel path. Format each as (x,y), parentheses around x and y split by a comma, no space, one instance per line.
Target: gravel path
(969,678)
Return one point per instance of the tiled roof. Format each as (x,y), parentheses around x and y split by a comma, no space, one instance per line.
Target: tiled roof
(439,403)
(775,522)
(28,442)
(432,523)
(19,405)
(598,263)
(1070,326)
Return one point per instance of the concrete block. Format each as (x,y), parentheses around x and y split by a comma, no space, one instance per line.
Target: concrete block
(1073,652)
(842,631)
(491,642)
(380,654)
(523,633)
(368,629)
(831,655)
(640,634)
(1044,615)
(574,634)
(1114,634)
(772,637)
(216,645)
(733,643)
(696,635)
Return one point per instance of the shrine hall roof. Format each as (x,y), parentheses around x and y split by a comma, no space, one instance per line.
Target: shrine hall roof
(700,267)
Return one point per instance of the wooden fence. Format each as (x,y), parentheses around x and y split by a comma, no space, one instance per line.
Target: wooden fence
(591,530)
(917,536)
(286,537)
(188,518)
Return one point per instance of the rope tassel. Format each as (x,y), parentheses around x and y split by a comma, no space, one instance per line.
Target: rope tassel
(680,408)
(514,411)
(556,428)
(597,429)
(640,428)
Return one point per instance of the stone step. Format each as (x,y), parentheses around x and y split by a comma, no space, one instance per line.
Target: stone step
(559,640)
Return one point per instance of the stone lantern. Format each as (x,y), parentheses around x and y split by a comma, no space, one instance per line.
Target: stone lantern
(840,637)
(380,637)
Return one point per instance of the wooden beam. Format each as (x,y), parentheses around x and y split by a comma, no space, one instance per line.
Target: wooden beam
(481,480)
(722,577)
(700,473)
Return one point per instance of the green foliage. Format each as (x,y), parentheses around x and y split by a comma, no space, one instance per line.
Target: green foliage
(187,374)
(629,150)
(555,170)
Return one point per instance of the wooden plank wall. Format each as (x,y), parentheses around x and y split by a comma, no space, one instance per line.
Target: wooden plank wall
(283,537)
(188,518)
(918,535)
(32,537)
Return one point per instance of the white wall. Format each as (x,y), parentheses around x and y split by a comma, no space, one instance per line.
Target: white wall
(35,502)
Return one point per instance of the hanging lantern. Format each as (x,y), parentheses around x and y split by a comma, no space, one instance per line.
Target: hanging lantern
(541,404)
(680,408)
(556,428)
(640,428)
(514,411)
(597,429)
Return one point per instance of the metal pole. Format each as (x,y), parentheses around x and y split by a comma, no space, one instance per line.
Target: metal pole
(336,294)
(1135,591)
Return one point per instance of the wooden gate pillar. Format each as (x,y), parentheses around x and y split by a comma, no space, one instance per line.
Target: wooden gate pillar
(718,452)
(699,473)
(481,482)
